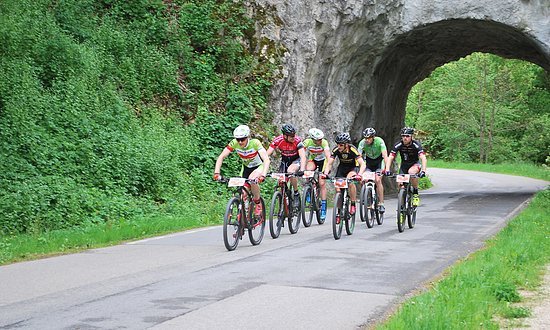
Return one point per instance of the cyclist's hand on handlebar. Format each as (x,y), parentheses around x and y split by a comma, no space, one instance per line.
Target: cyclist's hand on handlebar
(421,174)
(386,173)
(260,179)
(358,177)
(217,177)
(323,176)
(299,173)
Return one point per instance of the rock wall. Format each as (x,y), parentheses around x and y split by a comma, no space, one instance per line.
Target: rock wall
(350,64)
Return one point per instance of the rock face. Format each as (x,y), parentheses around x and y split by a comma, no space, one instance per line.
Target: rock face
(350,64)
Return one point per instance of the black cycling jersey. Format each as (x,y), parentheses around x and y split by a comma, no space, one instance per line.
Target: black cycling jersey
(409,154)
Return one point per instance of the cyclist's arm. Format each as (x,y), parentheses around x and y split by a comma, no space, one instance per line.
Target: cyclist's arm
(424,161)
(270,151)
(225,152)
(362,165)
(388,163)
(328,166)
(266,161)
(385,156)
(303,159)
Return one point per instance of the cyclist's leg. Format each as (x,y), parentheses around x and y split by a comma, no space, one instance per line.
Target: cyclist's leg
(254,173)
(352,189)
(320,166)
(414,169)
(295,166)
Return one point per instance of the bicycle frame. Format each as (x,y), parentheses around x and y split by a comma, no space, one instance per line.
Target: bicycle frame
(405,209)
(311,187)
(341,213)
(369,204)
(282,205)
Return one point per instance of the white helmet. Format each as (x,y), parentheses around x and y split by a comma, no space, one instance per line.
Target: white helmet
(241,131)
(316,134)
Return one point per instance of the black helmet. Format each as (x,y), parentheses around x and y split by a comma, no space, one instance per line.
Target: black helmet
(407,131)
(368,132)
(343,138)
(288,129)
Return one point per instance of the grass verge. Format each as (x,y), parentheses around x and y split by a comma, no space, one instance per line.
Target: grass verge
(521,169)
(486,283)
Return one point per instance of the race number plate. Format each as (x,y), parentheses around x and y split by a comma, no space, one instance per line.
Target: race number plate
(341,183)
(308,174)
(369,176)
(236,182)
(280,176)
(403,178)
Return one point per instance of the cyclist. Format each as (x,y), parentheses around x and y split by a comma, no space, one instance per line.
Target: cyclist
(375,154)
(293,155)
(254,158)
(351,164)
(413,159)
(318,152)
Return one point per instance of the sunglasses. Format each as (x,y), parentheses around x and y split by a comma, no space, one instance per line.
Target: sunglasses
(241,139)
(290,136)
(406,135)
(341,144)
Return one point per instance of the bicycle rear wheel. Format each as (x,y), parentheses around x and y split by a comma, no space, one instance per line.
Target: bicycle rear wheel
(337,216)
(370,212)
(411,213)
(295,214)
(401,209)
(350,219)
(232,229)
(256,227)
(276,214)
(308,206)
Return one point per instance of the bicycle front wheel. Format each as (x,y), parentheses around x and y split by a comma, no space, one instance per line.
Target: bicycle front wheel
(295,215)
(363,203)
(401,209)
(276,214)
(232,224)
(256,226)
(337,216)
(350,219)
(411,213)
(308,206)
(370,212)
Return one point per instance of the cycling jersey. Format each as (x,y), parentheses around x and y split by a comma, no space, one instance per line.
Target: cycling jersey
(287,149)
(249,154)
(409,154)
(315,151)
(372,153)
(347,158)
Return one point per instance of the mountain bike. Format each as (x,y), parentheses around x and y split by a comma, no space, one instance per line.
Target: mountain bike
(239,215)
(282,206)
(340,214)
(405,209)
(368,209)
(311,200)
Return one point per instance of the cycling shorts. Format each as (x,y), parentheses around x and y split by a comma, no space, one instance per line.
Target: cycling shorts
(404,169)
(343,171)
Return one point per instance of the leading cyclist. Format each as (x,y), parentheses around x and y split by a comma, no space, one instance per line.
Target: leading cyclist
(411,155)
(254,158)
(375,154)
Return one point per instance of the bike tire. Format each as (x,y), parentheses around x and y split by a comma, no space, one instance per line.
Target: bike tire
(256,229)
(337,217)
(401,209)
(350,219)
(232,226)
(411,213)
(295,215)
(276,214)
(363,203)
(317,194)
(370,212)
(308,208)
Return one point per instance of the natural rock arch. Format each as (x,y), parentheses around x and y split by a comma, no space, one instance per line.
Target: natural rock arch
(350,64)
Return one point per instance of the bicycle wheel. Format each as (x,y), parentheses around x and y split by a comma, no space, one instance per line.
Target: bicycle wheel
(401,209)
(363,203)
(232,224)
(337,216)
(350,219)
(370,212)
(295,214)
(276,214)
(256,227)
(308,205)
(379,216)
(411,212)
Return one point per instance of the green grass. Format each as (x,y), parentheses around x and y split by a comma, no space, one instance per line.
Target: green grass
(486,283)
(521,169)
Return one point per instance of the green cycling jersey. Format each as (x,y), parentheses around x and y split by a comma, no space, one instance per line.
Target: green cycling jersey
(249,154)
(314,150)
(374,150)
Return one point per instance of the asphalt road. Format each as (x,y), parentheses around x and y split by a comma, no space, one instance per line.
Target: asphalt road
(307,280)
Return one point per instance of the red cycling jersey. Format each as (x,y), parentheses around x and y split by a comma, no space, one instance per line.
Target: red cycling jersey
(287,149)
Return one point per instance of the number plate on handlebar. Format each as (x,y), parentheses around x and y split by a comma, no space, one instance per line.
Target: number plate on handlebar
(341,183)
(403,178)
(368,176)
(280,176)
(308,174)
(236,182)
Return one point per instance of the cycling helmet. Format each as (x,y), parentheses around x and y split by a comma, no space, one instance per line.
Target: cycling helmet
(241,131)
(288,129)
(368,132)
(407,131)
(343,138)
(316,134)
